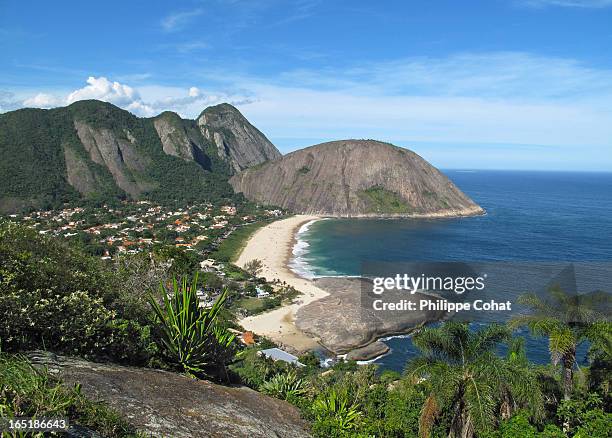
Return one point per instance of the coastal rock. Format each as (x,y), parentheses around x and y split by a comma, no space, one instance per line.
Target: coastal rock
(342,324)
(355,178)
(237,141)
(161,403)
(371,351)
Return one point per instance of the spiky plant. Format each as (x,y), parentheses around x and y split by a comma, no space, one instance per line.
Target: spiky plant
(464,376)
(284,386)
(336,408)
(568,320)
(190,334)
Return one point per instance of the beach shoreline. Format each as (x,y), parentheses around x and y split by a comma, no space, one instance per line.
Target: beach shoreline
(273,245)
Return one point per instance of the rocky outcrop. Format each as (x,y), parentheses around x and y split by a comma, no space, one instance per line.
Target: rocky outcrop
(118,155)
(173,136)
(237,141)
(369,352)
(342,323)
(355,178)
(161,403)
(77,172)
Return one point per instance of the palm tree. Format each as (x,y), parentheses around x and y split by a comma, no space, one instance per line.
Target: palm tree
(466,378)
(568,320)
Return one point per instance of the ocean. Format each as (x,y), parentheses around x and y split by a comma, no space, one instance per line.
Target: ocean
(531,217)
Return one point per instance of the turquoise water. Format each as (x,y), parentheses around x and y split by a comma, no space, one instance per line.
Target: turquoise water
(531,216)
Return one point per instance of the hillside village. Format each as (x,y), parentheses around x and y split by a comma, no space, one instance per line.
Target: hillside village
(194,232)
(134,226)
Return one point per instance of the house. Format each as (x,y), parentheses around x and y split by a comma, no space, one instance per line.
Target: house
(278,354)
(261,293)
(248,338)
(229,210)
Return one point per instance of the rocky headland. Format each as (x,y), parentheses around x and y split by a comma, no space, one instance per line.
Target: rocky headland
(353,178)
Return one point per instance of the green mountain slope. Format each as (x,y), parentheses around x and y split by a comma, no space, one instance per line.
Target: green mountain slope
(94,150)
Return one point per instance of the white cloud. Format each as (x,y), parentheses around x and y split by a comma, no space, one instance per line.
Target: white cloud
(179,20)
(471,98)
(8,101)
(43,100)
(594,4)
(152,101)
(114,92)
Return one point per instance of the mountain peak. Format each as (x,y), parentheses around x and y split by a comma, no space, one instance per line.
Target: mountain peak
(355,178)
(237,141)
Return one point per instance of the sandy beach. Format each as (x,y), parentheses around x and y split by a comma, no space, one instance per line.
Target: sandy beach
(273,245)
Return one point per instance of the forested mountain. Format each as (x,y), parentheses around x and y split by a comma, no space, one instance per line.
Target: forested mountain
(95,150)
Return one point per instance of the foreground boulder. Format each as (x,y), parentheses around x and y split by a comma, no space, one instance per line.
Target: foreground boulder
(162,403)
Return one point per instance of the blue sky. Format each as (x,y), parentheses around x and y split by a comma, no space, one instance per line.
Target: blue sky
(497,84)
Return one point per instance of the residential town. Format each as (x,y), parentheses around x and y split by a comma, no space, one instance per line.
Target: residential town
(134,226)
(194,232)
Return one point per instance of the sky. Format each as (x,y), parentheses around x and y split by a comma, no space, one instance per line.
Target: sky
(490,84)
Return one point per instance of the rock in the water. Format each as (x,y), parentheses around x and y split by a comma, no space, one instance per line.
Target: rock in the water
(368,352)
(162,403)
(342,324)
(355,178)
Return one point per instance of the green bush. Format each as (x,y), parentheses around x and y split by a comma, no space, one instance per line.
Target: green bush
(29,392)
(335,414)
(285,386)
(55,297)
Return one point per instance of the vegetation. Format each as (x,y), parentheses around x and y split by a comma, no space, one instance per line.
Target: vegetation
(191,336)
(254,267)
(34,145)
(230,248)
(466,379)
(568,320)
(53,297)
(286,386)
(29,392)
(380,200)
(459,387)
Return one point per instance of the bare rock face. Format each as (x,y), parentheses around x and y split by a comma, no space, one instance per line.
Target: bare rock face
(77,172)
(342,324)
(160,403)
(118,155)
(355,178)
(173,136)
(237,141)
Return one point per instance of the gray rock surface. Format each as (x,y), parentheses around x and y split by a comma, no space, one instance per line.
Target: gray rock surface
(368,352)
(118,155)
(173,136)
(355,178)
(237,141)
(161,403)
(342,323)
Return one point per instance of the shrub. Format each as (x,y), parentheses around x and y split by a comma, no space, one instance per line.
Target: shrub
(190,335)
(286,386)
(28,392)
(55,297)
(334,414)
